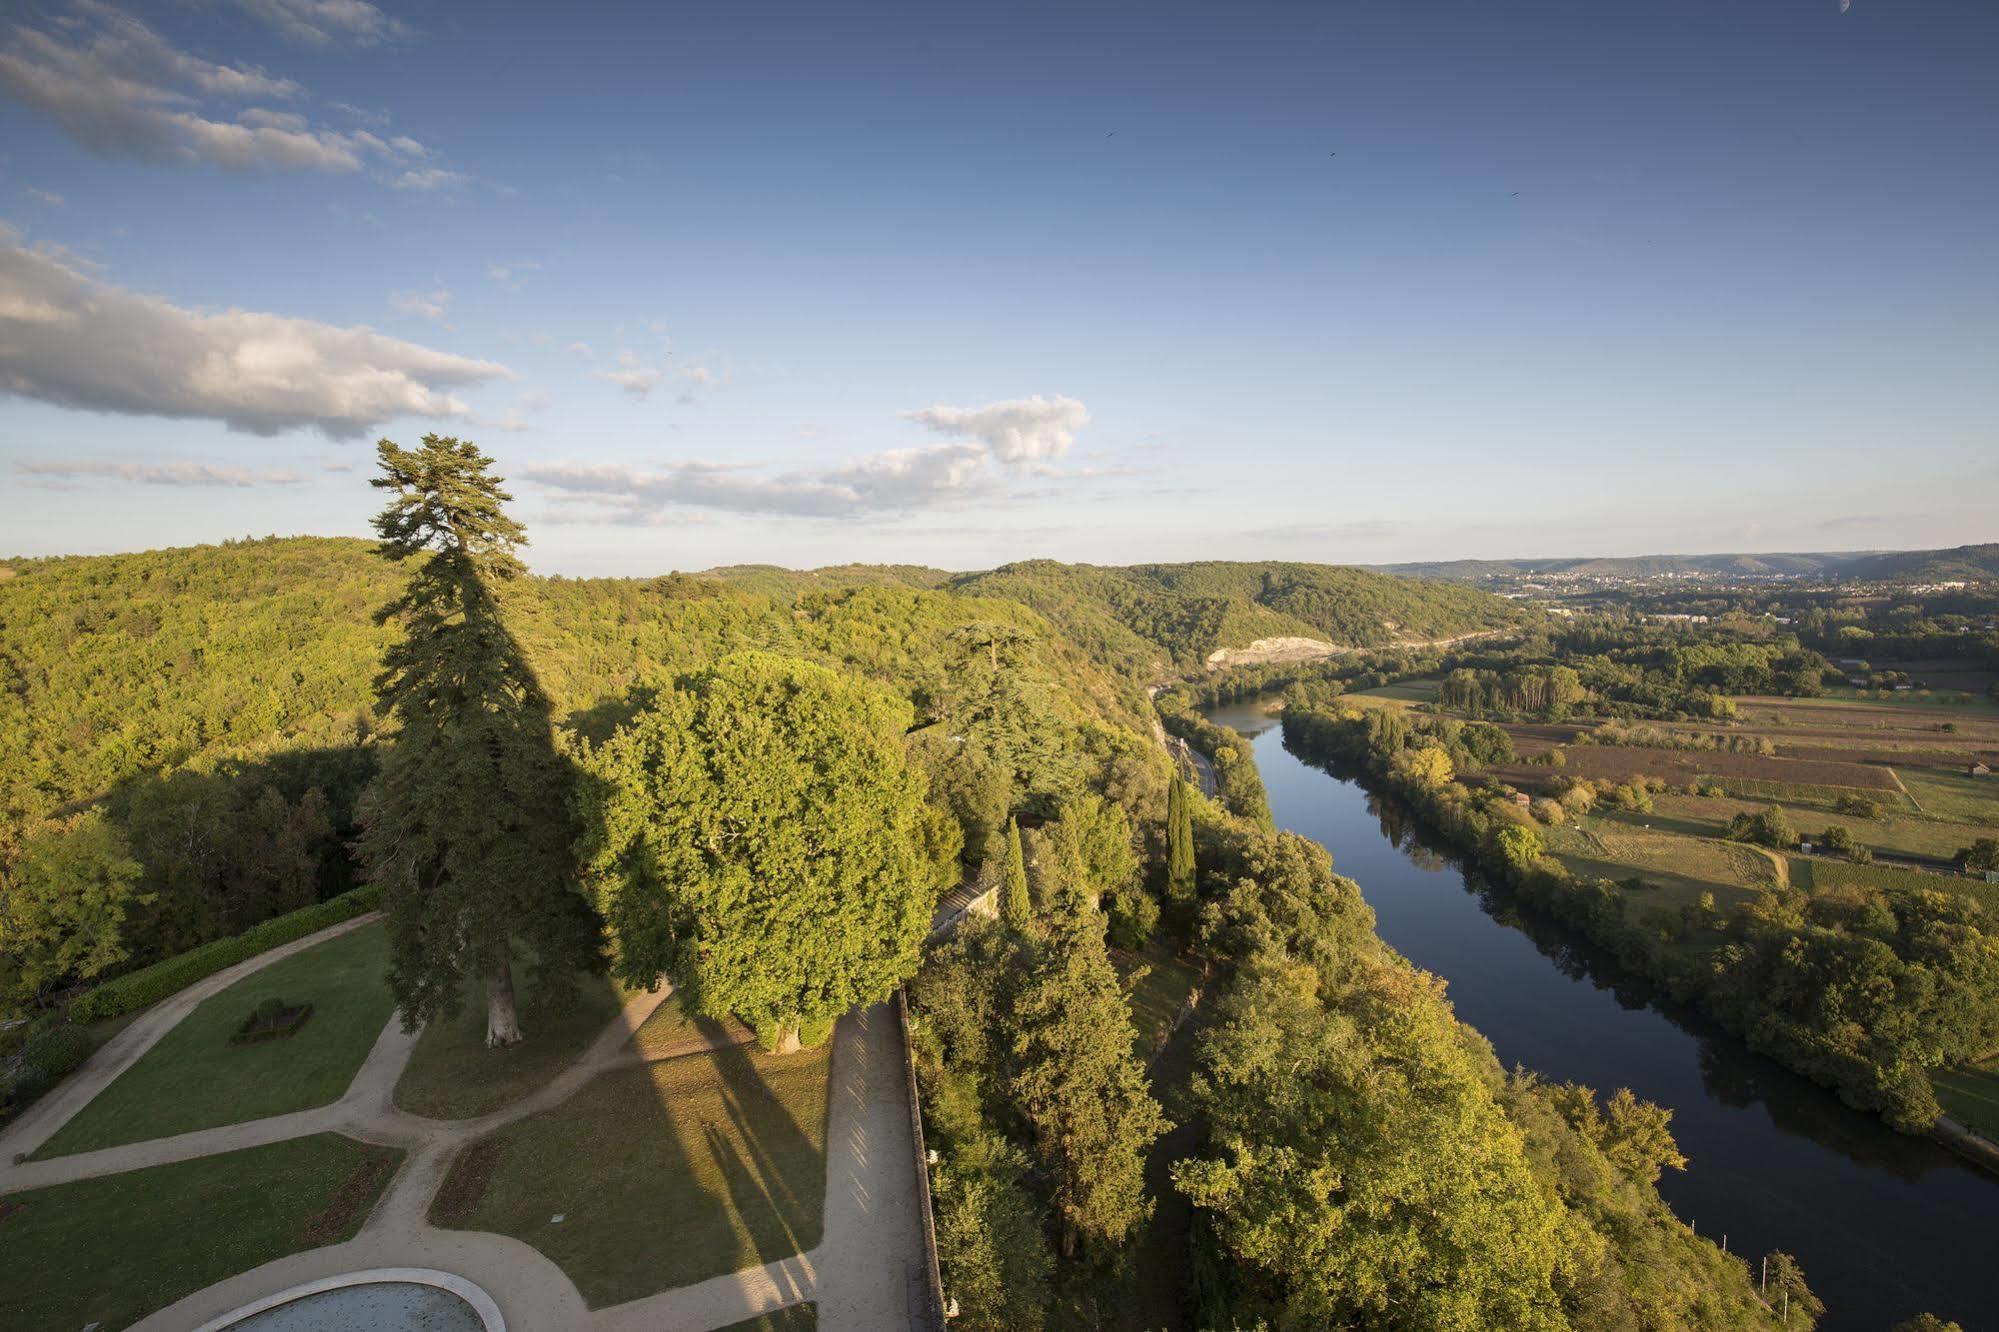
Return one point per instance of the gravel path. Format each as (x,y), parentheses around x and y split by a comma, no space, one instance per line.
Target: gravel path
(865,1274)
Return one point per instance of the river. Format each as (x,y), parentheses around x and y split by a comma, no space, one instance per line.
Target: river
(1885,1225)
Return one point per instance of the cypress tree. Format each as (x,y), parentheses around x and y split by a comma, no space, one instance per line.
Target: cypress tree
(468,828)
(1179,842)
(1016,910)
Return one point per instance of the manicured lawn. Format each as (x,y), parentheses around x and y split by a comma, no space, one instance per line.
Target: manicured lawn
(792,1318)
(1971,1095)
(671,1026)
(194,1078)
(664,1174)
(113,1249)
(452,1075)
(1952,795)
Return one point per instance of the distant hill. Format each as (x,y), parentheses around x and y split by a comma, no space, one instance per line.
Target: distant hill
(115,666)
(1972,563)
(1148,617)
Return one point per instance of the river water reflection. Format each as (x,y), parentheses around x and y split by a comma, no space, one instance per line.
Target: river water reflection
(1885,1225)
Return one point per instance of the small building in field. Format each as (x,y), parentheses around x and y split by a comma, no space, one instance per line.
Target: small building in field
(1979,770)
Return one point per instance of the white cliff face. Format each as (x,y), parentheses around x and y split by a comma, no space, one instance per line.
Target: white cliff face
(1266,650)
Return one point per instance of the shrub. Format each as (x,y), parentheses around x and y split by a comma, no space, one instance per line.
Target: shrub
(1857,806)
(1134,915)
(149,985)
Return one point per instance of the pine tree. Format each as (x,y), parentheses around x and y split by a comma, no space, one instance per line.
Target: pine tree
(1016,910)
(1179,843)
(468,829)
(1078,1085)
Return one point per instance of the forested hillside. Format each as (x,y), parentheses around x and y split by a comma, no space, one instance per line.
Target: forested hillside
(1149,618)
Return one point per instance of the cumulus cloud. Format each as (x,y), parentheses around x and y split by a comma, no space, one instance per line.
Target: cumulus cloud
(892,481)
(120,90)
(74,340)
(1018,430)
(582,349)
(900,479)
(423,304)
(634,378)
(152,474)
(327,22)
(429,178)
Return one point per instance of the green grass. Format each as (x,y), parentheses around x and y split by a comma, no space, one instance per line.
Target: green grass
(664,1174)
(115,1248)
(666,1032)
(1411,691)
(1676,869)
(1157,999)
(1820,874)
(452,1075)
(1971,1095)
(1808,793)
(1953,795)
(791,1318)
(1901,834)
(195,1079)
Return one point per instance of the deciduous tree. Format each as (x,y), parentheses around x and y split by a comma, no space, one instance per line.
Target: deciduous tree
(754,835)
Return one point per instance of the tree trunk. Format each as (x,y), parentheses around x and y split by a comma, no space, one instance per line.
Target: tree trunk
(503,1022)
(787,1040)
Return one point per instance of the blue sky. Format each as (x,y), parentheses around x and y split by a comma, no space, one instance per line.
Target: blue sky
(805,284)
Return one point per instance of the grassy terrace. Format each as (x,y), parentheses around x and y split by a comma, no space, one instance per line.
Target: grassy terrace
(195,1078)
(452,1075)
(1971,1095)
(1159,994)
(662,1175)
(113,1249)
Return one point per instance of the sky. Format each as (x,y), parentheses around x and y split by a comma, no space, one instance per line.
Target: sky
(962,284)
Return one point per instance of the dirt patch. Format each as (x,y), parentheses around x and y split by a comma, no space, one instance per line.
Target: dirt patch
(351,1201)
(465,1186)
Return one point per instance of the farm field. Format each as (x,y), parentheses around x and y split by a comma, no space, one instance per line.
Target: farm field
(1895,834)
(1676,869)
(1952,795)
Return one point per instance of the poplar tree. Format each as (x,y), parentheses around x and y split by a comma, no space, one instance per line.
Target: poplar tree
(1179,842)
(1016,910)
(468,829)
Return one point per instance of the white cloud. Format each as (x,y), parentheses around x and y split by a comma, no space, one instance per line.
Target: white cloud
(893,481)
(77,341)
(47,198)
(510,272)
(1019,430)
(324,22)
(424,304)
(582,349)
(429,178)
(701,375)
(120,90)
(154,474)
(635,379)
(900,479)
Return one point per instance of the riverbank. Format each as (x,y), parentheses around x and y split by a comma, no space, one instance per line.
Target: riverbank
(1775,1161)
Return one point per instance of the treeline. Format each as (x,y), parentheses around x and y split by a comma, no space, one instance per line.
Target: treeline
(1614,669)
(191,732)
(1352,1154)
(1861,990)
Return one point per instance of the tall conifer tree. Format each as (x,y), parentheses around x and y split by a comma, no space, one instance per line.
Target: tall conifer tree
(468,829)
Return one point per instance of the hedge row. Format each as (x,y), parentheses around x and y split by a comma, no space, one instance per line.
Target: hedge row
(149,985)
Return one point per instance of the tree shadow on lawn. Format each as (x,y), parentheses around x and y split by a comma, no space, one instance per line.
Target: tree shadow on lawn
(664,1174)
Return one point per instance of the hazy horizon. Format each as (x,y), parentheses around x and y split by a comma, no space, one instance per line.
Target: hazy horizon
(779,284)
